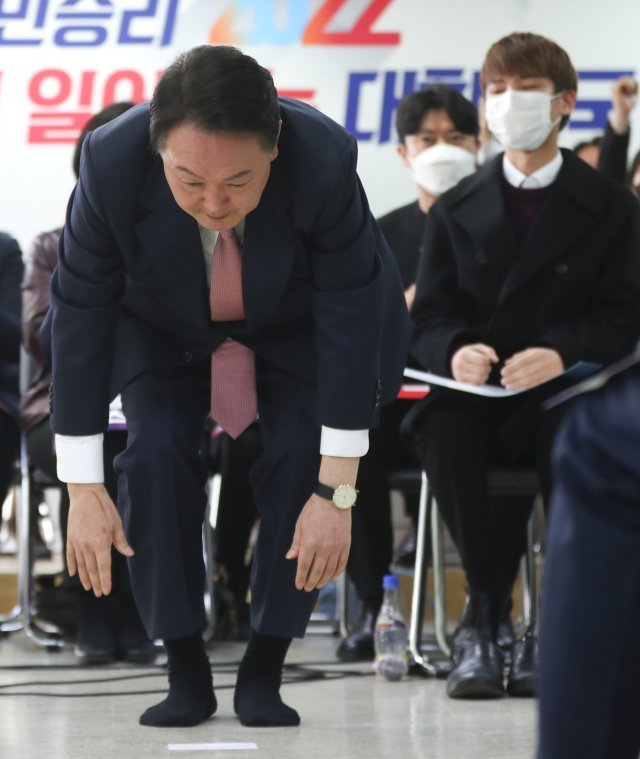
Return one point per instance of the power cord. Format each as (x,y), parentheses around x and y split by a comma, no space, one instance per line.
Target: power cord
(292,674)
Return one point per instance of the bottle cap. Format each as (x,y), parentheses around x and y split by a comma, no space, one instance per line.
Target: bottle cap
(390,582)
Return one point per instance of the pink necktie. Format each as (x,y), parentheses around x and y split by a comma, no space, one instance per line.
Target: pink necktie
(234,401)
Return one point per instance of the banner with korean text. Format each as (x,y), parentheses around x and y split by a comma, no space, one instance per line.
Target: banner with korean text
(63,60)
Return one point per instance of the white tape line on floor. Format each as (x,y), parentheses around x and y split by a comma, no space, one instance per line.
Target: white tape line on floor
(211,746)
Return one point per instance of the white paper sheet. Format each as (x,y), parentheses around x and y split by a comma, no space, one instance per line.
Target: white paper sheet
(574,373)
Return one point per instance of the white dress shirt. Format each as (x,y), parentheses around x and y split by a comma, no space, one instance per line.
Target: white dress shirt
(80,458)
(542,177)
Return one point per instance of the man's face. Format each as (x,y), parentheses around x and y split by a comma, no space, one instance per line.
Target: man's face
(217,178)
(560,106)
(436,128)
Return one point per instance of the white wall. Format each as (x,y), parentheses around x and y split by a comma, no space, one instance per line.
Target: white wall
(36,176)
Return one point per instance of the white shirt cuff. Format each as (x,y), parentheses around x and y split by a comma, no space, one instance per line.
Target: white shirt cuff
(80,458)
(347,443)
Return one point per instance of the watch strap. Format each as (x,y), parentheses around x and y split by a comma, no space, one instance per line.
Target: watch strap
(324,491)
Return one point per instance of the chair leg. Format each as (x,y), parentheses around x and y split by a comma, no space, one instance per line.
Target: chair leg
(528,586)
(419,582)
(208,552)
(439,579)
(25,560)
(12,621)
(342,601)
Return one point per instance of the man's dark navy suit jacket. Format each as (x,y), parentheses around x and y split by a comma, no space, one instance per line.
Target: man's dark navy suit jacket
(322,296)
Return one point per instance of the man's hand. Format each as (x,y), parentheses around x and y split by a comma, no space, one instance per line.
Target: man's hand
(624,95)
(321,543)
(530,368)
(322,537)
(472,363)
(94,526)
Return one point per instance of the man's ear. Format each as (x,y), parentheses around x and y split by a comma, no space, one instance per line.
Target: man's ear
(274,152)
(567,102)
(401,150)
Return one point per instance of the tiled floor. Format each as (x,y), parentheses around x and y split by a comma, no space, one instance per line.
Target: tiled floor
(50,708)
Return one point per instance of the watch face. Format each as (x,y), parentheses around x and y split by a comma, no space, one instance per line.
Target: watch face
(344,496)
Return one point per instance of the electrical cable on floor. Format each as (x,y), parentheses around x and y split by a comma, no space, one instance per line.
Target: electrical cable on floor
(292,674)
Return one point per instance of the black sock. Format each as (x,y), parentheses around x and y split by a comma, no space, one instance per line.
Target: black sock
(191,699)
(257,699)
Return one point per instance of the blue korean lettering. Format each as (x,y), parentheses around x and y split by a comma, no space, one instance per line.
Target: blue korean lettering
(356,82)
(78,34)
(127,36)
(591,113)
(25,10)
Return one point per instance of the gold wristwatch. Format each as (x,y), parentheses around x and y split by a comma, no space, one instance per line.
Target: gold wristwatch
(342,496)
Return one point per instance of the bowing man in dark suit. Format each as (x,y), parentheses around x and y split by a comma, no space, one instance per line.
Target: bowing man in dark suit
(529,266)
(220,233)
(590,617)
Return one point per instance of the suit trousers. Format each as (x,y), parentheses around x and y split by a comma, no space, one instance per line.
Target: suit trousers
(161,495)
(590,613)
(458,438)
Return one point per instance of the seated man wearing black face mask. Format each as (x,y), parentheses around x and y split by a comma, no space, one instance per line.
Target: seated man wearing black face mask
(438,133)
(529,266)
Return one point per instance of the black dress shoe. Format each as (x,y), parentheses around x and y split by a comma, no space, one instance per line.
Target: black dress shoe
(405,554)
(232,618)
(133,642)
(358,645)
(523,674)
(506,635)
(478,662)
(96,638)
(92,653)
(479,670)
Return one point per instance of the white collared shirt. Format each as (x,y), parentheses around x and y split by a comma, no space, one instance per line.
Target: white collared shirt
(542,177)
(80,458)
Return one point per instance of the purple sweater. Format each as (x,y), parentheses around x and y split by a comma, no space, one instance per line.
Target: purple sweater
(522,207)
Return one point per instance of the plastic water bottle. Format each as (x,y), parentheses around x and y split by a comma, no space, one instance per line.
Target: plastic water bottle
(390,635)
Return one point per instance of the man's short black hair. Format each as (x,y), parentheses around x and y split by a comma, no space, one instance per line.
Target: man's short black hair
(596,142)
(216,89)
(414,107)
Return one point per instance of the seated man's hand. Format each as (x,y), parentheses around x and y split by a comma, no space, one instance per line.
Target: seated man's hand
(531,367)
(94,526)
(472,363)
(321,543)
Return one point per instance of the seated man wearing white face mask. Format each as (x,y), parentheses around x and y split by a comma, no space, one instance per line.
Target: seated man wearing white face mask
(529,266)
(438,132)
